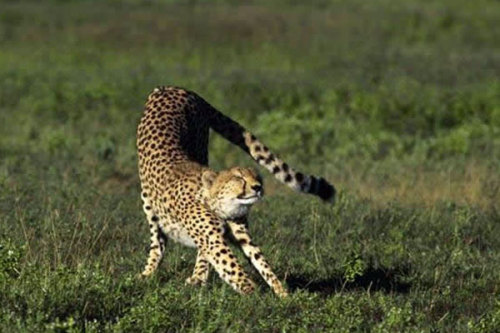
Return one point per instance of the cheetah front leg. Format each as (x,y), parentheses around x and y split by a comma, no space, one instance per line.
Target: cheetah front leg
(221,257)
(212,246)
(242,236)
(200,272)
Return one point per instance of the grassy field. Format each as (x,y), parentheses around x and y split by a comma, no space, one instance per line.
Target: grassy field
(397,103)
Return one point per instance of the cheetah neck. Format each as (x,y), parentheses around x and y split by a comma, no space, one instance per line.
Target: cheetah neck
(231,209)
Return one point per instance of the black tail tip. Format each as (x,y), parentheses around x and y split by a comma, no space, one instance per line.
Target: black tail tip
(325,190)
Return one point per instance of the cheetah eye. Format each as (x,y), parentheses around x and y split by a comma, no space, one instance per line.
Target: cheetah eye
(240,180)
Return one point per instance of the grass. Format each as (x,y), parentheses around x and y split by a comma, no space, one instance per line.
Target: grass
(397,104)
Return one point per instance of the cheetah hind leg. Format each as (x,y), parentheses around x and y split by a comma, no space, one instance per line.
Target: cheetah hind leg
(156,251)
(157,239)
(200,272)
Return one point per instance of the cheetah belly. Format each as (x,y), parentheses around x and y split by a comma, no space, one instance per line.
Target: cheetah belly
(179,234)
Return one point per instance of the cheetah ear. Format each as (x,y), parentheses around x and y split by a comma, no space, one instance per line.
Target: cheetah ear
(207,178)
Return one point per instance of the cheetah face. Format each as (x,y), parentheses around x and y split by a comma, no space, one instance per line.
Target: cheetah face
(231,193)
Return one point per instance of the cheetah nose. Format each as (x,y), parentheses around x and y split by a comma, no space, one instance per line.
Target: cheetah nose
(257,188)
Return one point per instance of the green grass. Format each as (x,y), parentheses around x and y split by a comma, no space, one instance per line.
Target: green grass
(398,104)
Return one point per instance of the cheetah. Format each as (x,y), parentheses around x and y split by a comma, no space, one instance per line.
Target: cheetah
(172,144)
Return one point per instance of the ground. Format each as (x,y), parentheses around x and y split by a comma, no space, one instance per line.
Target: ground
(397,104)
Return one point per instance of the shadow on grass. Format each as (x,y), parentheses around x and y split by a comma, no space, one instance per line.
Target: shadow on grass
(379,279)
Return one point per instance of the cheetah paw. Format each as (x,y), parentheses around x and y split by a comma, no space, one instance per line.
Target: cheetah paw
(195,281)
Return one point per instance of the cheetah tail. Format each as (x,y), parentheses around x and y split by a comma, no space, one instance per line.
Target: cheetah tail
(236,134)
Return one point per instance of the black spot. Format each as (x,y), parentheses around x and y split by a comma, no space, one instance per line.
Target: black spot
(259,158)
(285,167)
(148,207)
(276,169)
(242,241)
(312,185)
(288,178)
(155,218)
(299,177)
(270,159)
(253,138)
(257,256)
(257,148)
(325,190)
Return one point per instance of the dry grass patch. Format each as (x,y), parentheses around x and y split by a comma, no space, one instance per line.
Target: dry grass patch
(475,183)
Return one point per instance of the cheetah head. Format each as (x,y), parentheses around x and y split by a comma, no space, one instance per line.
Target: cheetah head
(230,193)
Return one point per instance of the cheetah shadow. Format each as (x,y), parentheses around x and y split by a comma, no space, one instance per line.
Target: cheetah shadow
(387,280)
